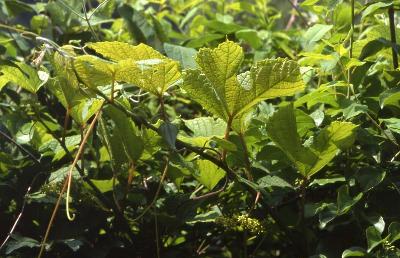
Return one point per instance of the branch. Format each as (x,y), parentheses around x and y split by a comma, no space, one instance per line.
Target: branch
(393,37)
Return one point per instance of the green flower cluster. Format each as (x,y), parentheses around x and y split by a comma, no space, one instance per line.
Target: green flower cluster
(241,223)
(388,246)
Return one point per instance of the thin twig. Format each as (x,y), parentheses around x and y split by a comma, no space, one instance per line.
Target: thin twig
(87,19)
(303,19)
(98,7)
(19,146)
(21,211)
(71,9)
(207,195)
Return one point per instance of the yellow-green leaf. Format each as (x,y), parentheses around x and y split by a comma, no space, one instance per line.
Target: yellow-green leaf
(218,88)
(94,71)
(118,51)
(21,74)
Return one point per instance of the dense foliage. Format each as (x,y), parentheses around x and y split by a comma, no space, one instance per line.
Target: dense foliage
(199,128)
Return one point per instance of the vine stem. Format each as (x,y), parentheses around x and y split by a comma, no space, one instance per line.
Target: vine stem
(23,32)
(351,45)
(162,109)
(393,37)
(226,137)
(67,182)
(164,174)
(248,167)
(66,121)
(352,30)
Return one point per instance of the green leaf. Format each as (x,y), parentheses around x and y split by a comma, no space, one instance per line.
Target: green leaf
(94,71)
(344,201)
(352,109)
(326,181)
(22,75)
(249,36)
(373,8)
(337,136)
(208,173)
(19,242)
(392,123)
(315,34)
(354,252)
(81,107)
(304,122)
(218,88)
(203,129)
(185,55)
(169,133)
(373,238)
(390,97)
(369,177)
(113,143)
(225,144)
(377,222)
(393,232)
(153,75)
(282,129)
(126,130)
(273,181)
(104,185)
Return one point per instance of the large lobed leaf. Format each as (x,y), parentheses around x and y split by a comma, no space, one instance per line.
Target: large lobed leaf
(217,86)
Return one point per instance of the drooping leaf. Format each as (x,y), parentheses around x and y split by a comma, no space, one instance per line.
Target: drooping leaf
(333,138)
(282,129)
(126,130)
(344,201)
(20,242)
(169,133)
(373,8)
(22,75)
(184,55)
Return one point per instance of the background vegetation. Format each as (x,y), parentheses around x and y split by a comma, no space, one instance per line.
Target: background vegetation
(199,128)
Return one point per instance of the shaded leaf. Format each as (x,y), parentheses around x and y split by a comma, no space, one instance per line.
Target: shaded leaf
(373,238)
(208,173)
